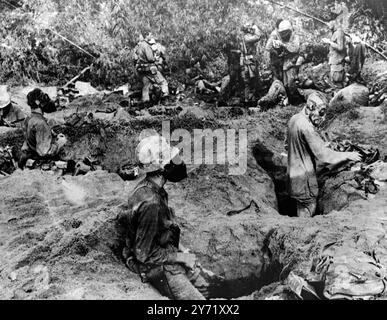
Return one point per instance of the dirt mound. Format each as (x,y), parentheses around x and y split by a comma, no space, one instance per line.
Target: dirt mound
(57,238)
(361,226)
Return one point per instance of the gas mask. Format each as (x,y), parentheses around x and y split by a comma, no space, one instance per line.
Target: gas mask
(317,113)
(175,173)
(286,35)
(38,99)
(4,111)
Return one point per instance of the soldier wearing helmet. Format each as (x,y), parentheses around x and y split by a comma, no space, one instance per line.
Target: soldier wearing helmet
(243,71)
(148,69)
(10,114)
(151,233)
(283,47)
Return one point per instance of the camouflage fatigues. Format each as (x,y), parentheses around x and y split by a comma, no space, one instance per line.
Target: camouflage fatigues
(148,69)
(337,56)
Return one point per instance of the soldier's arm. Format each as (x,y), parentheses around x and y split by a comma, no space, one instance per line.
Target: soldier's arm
(321,152)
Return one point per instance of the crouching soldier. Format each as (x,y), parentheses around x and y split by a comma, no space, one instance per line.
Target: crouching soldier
(40,142)
(152,236)
(149,70)
(10,114)
(306,150)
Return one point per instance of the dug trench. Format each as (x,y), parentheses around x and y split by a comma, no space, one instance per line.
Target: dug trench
(58,235)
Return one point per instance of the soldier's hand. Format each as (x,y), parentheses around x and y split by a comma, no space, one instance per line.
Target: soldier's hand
(187,259)
(277,44)
(354,156)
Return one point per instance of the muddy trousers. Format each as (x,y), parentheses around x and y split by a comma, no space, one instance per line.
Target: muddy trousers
(174,282)
(148,80)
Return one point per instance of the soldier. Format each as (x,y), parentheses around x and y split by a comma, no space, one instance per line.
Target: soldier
(356,58)
(151,232)
(159,52)
(307,150)
(10,114)
(40,143)
(243,71)
(337,54)
(148,69)
(284,50)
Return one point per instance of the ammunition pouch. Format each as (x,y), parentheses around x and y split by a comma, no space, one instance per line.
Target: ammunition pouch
(157,278)
(152,274)
(146,67)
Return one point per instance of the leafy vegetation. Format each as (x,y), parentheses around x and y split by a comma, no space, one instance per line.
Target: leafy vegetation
(193,31)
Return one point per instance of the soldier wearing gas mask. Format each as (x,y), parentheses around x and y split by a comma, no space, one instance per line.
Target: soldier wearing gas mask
(40,142)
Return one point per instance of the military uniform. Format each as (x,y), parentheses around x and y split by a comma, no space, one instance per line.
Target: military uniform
(148,70)
(152,238)
(39,142)
(284,59)
(337,56)
(306,149)
(242,68)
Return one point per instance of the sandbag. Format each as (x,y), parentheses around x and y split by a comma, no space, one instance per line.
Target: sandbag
(355,94)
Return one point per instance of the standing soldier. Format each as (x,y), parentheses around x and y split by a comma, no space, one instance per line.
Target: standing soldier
(284,50)
(337,54)
(148,69)
(243,73)
(249,70)
(275,56)
(357,51)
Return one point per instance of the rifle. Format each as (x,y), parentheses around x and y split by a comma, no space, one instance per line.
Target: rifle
(325,23)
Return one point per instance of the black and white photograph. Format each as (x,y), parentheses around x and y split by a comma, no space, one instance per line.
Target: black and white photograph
(158,151)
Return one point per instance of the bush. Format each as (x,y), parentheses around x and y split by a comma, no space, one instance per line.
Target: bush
(192,30)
